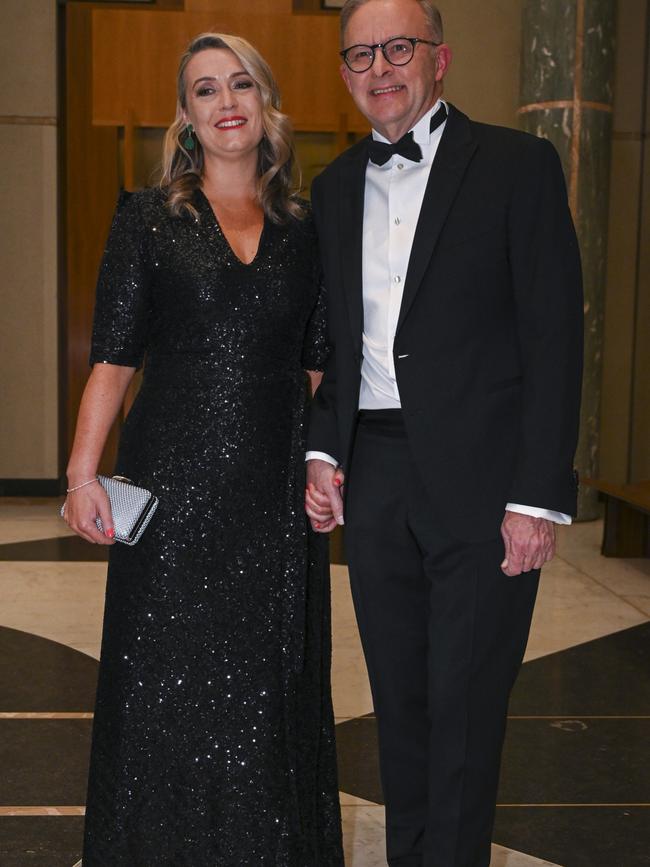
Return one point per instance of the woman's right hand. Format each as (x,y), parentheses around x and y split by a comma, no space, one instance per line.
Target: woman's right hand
(81,509)
(101,401)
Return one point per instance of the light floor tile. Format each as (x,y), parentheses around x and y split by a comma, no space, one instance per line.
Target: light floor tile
(363,836)
(502,857)
(580,545)
(26,519)
(572,608)
(28,508)
(364,841)
(42,811)
(60,601)
(641,603)
(344,620)
(12,530)
(347,800)
(350,687)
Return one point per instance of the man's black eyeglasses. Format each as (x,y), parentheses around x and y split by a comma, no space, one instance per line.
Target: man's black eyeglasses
(398,51)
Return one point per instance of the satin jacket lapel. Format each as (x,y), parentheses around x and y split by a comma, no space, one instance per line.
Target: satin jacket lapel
(352,180)
(454,153)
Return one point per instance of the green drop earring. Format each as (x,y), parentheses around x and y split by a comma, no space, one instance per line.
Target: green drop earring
(188,143)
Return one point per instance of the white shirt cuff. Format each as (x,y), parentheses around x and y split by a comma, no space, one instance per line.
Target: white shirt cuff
(534,512)
(321,456)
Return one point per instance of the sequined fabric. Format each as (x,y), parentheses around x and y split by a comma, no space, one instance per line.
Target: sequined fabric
(213,741)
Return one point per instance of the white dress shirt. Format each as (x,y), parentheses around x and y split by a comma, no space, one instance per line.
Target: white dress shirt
(392,203)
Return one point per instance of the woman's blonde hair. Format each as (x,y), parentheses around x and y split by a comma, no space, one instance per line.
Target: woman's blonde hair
(182,168)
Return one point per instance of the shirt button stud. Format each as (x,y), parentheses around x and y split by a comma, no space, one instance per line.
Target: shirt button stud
(400,166)
(397,278)
(397,221)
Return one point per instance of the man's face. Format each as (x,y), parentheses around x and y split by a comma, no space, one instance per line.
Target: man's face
(394,98)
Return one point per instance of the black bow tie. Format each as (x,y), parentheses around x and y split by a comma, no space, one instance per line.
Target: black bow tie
(380,152)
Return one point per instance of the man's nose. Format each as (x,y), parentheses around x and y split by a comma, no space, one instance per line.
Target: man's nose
(380,66)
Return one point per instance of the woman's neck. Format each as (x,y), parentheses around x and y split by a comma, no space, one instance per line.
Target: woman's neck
(231,179)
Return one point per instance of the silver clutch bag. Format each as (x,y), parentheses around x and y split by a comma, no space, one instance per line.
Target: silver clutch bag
(132,508)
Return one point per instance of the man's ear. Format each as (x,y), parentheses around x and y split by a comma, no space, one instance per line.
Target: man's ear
(345,75)
(443,61)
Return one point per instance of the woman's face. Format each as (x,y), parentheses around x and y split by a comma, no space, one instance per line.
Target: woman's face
(224,104)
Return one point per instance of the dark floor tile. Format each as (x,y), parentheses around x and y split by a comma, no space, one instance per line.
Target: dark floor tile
(605,676)
(44,762)
(39,675)
(578,837)
(337,546)
(40,841)
(72,548)
(356,747)
(576,761)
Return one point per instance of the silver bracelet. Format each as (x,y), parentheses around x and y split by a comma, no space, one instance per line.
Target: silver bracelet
(82,485)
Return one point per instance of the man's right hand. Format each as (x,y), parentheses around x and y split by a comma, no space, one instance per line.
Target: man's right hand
(323,500)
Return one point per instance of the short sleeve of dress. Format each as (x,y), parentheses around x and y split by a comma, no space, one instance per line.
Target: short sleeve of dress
(315,350)
(121,321)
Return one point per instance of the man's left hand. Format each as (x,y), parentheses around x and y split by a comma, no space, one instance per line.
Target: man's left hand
(529,543)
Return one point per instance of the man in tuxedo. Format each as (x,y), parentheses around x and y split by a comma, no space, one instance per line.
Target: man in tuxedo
(449,407)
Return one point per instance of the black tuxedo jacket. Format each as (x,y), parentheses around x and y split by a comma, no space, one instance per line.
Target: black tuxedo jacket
(488,349)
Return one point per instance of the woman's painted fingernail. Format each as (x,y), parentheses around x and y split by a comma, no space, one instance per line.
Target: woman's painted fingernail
(316,525)
(110,533)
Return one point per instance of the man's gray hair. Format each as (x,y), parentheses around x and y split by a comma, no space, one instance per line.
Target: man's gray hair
(432,13)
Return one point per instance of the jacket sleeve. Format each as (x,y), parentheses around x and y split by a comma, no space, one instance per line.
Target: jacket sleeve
(547,283)
(323,425)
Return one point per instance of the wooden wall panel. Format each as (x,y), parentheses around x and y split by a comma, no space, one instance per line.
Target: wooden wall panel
(253,7)
(135,55)
(90,189)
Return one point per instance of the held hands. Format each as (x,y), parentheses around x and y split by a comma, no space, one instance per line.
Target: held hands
(529,543)
(323,500)
(82,507)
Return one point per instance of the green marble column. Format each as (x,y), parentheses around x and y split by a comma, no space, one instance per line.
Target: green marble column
(567,71)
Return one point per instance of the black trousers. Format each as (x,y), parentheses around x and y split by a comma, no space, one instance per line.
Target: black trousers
(443,632)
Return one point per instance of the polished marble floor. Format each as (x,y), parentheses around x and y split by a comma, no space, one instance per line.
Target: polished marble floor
(575,787)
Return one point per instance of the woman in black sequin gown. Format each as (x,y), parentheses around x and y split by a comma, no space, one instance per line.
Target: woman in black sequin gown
(213,741)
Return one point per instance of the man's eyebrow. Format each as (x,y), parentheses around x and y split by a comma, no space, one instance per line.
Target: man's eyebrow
(383,41)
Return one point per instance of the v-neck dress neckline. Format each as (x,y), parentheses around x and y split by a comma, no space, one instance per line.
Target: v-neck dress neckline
(206,210)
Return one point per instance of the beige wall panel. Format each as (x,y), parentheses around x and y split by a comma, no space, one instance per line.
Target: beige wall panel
(631,38)
(28,326)
(486,41)
(27,58)
(622,416)
(640,453)
(619,311)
